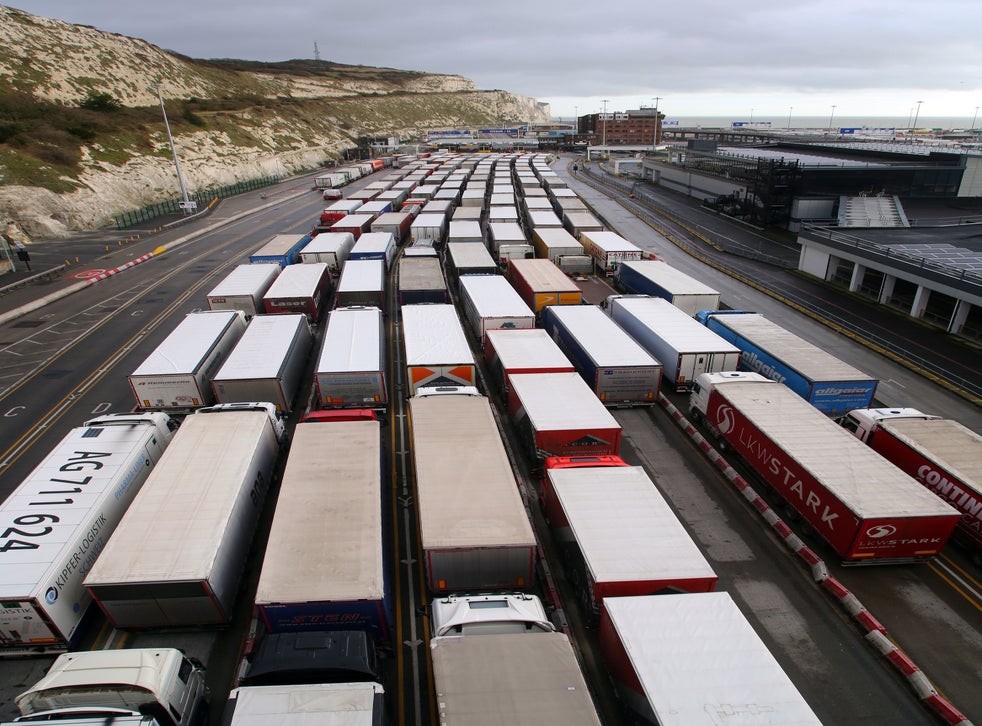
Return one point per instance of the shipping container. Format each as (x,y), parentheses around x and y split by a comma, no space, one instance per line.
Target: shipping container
(362,283)
(268,362)
(474,530)
(540,283)
(558,415)
(619,535)
(396,223)
(55,530)
(299,289)
(205,495)
(421,281)
(614,365)
(325,561)
(331,248)
(177,375)
(657,278)
(280,249)
(243,289)
(829,384)
(609,250)
(351,368)
(694,659)
(437,353)
(552,243)
(683,346)
(522,351)
(863,506)
(489,302)
(375,246)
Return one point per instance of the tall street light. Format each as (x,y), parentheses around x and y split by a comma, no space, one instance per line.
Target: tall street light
(790,109)
(654,145)
(975,117)
(916,114)
(831,116)
(187,205)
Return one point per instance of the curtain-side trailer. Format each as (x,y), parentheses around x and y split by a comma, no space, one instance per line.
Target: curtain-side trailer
(331,248)
(658,278)
(375,246)
(243,288)
(829,384)
(176,559)
(474,531)
(522,351)
(325,562)
(280,249)
(268,362)
(609,250)
(554,242)
(350,371)
(421,281)
(177,375)
(57,521)
(686,659)
(362,282)
(436,349)
(467,258)
(541,283)
(299,289)
(615,366)
(395,223)
(490,302)
(684,347)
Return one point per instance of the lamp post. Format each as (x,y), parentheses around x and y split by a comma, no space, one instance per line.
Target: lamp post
(603,136)
(187,205)
(916,114)
(654,145)
(790,109)
(831,116)
(751,118)
(975,117)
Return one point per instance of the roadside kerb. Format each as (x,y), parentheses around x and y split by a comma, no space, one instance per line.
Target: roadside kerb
(874,632)
(66,291)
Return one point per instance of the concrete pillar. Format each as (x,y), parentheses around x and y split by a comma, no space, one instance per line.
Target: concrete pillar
(959,316)
(856,281)
(889,281)
(833,266)
(921,297)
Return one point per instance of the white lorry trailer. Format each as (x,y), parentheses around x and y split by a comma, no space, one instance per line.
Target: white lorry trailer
(268,362)
(312,704)
(658,278)
(694,660)
(498,660)
(57,521)
(350,371)
(177,557)
(436,349)
(176,377)
(243,289)
(490,302)
(329,247)
(683,346)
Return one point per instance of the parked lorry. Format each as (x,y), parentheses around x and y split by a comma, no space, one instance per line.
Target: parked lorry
(268,362)
(357,223)
(362,283)
(299,289)
(489,302)
(129,686)
(325,563)
(615,366)
(421,281)
(375,246)
(177,556)
(694,658)
(280,249)
(436,349)
(618,534)
(507,241)
(474,530)
(863,506)
(554,242)
(465,230)
(320,704)
(942,454)
(340,209)
(243,289)
(829,384)
(658,278)
(609,251)
(56,522)
(331,248)
(541,283)
(351,367)
(558,415)
(522,351)
(428,226)
(498,660)
(177,375)
(579,221)
(684,347)
(467,258)
(395,223)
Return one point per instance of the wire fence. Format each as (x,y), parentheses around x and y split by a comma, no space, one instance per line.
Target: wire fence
(172,206)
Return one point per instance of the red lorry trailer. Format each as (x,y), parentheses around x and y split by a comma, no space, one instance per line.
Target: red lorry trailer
(943,455)
(618,533)
(866,508)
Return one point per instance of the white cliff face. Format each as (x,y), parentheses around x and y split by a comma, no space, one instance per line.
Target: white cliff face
(64,63)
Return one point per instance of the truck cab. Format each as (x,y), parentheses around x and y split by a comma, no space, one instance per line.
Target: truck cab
(279,428)
(160,685)
(488,614)
(704,384)
(863,422)
(308,657)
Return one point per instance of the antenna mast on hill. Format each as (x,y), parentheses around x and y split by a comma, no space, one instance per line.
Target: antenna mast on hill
(317,52)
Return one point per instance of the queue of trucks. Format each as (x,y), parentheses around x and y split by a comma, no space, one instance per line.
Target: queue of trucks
(324,597)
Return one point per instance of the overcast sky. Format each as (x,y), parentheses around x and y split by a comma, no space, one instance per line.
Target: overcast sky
(701,57)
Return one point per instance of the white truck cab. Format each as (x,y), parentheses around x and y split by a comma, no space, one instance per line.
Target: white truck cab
(489,614)
(279,428)
(862,422)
